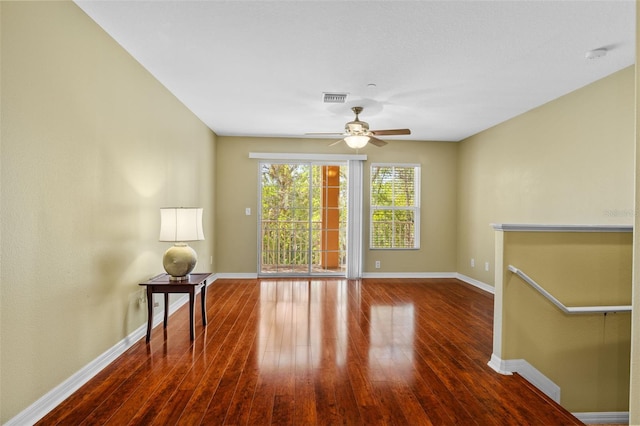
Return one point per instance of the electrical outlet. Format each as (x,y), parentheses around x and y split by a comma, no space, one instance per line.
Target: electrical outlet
(486,266)
(377,264)
(473,263)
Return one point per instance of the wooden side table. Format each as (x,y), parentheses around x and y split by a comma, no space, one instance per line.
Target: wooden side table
(162,284)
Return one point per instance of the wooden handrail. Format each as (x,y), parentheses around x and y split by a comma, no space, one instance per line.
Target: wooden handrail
(561,306)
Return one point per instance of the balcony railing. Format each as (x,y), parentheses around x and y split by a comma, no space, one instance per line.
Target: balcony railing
(287,248)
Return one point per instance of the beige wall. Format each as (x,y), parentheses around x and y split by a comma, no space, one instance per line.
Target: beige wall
(570,161)
(587,355)
(634,398)
(92,146)
(237,184)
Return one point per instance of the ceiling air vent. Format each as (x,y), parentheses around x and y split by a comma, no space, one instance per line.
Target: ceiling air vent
(334,98)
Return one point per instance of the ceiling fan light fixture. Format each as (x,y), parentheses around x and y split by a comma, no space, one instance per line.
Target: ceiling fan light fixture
(356,141)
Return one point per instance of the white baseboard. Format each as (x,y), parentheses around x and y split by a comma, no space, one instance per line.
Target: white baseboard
(237,276)
(54,397)
(51,399)
(529,372)
(499,365)
(408,275)
(479,284)
(482,286)
(603,418)
(471,281)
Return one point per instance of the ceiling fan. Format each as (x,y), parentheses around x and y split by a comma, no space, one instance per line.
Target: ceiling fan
(357,134)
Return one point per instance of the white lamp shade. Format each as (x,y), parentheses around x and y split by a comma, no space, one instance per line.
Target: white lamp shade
(357,141)
(181,224)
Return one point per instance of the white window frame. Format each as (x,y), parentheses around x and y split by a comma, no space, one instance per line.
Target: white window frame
(415,207)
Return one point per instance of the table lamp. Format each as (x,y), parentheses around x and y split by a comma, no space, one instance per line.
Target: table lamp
(179,225)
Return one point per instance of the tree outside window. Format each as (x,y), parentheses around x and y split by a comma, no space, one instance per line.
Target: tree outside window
(395,206)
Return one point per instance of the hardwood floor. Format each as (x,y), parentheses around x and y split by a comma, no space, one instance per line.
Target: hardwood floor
(317,351)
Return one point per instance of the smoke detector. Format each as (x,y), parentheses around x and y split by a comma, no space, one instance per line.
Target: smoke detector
(596,53)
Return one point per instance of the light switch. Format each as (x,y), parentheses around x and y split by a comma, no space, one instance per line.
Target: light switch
(247,211)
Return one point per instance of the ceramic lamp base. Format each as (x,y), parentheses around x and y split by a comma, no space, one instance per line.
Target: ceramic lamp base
(179,260)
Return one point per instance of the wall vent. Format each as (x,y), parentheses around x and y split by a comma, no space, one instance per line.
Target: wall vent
(334,98)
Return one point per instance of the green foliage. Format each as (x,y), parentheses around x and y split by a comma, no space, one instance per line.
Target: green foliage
(393,206)
(292,208)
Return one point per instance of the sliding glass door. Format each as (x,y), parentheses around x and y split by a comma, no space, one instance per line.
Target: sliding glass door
(303,218)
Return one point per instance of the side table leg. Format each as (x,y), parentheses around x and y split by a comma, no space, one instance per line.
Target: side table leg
(203,300)
(149,311)
(192,302)
(166,309)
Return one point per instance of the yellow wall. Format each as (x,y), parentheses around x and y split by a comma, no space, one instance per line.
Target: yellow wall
(237,188)
(587,355)
(570,161)
(92,147)
(634,398)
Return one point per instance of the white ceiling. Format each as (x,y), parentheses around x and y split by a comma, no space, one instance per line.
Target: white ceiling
(444,69)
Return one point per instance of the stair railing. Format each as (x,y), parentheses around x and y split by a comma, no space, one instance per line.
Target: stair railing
(561,306)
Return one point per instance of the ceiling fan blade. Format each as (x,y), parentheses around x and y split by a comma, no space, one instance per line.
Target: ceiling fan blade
(376,141)
(336,142)
(391,132)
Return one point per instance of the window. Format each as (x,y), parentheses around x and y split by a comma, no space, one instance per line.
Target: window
(395,206)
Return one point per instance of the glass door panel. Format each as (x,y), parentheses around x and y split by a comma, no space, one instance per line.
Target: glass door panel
(302,219)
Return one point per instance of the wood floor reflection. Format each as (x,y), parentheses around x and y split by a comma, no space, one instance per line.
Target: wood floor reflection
(319,351)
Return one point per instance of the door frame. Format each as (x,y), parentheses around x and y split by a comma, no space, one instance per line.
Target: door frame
(355,164)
